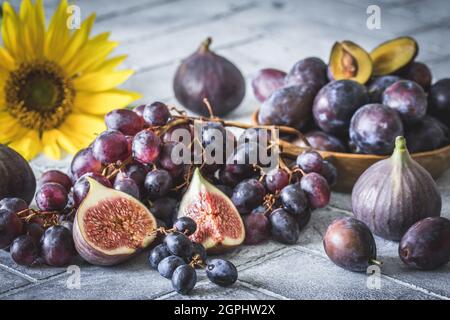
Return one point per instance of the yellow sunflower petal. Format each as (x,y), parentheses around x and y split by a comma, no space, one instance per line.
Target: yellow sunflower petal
(28,146)
(100,103)
(11,35)
(107,65)
(66,142)
(58,34)
(33,28)
(87,125)
(10,128)
(50,144)
(101,81)
(6,60)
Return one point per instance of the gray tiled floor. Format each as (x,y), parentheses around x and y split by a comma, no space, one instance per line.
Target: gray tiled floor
(254,34)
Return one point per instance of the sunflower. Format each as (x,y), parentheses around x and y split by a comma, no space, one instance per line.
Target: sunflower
(56,84)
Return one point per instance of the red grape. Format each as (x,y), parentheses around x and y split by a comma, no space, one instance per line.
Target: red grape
(57,246)
(329,172)
(139,110)
(57,177)
(247,195)
(257,226)
(10,227)
(51,197)
(266,81)
(24,250)
(156,114)
(14,205)
(146,147)
(81,187)
(84,162)
(294,200)
(310,161)
(158,183)
(276,180)
(128,186)
(125,121)
(316,188)
(110,147)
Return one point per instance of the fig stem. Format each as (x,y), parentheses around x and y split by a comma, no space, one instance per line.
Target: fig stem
(209,107)
(376,262)
(204,47)
(400,143)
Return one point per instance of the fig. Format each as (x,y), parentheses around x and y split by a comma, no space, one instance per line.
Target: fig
(219,224)
(288,106)
(320,140)
(428,134)
(373,129)
(426,245)
(335,104)
(350,61)
(408,98)
(393,55)
(110,226)
(394,193)
(311,71)
(439,100)
(419,73)
(376,87)
(350,244)
(205,74)
(18,180)
(266,81)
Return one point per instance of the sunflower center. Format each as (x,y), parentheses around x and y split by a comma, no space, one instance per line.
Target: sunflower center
(39,95)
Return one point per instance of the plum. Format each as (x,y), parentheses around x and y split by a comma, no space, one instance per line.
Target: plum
(426,245)
(266,81)
(439,100)
(419,73)
(312,71)
(335,104)
(289,106)
(428,134)
(373,129)
(320,140)
(408,98)
(377,86)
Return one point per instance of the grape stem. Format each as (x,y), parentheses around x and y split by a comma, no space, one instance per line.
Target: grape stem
(376,262)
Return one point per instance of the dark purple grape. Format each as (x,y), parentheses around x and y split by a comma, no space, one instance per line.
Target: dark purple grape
(212,132)
(135,171)
(179,244)
(84,162)
(323,141)
(51,197)
(303,218)
(139,110)
(408,99)
(157,254)
(35,231)
(439,100)
(11,227)
(167,266)
(317,189)
(125,121)
(266,81)
(14,205)
(158,183)
(168,159)
(199,251)
(419,73)
(247,195)
(335,104)
(228,191)
(165,209)
(426,245)
(373,129)
(427,134)
(284,227)
(221,272)
(288,106)
(184,279)
(81,186)
(128,186)
(180,133)
(185,225)
(57,177)
(294,199)
(232,174)
(329,172)
(24,250)
(110,146)
(257,226)
(310,161)
(146,147)
(57,246)
(156,114)
(377,86)
(276,180)
(311,71)
(349,243)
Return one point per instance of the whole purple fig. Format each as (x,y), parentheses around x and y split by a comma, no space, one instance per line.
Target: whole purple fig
(205,74)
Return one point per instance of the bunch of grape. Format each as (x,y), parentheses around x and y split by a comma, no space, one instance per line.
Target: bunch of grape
(177,257)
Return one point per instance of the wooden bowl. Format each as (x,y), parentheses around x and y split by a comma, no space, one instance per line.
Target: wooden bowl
(351,165)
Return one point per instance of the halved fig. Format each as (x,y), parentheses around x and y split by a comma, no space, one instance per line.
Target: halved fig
(110,226)
(219,225)
(393,55)
(349,61)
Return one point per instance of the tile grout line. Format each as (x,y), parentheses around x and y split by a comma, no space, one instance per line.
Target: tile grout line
(18,273)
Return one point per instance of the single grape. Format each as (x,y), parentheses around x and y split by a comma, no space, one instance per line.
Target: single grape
(146,147)
(24,250)
(51,197)
(247,195)
(329,172)
(257,226)
(266,81)
(57,246)
(303,218)
(179,244)
(221,272)
(310,161)
(14,205)
(35,231)
(157,254)
(11,227)
(276,180)
(135,171)
(139,110)
(57,177)
(110,146)
(125,121)
(81,186)
(285,228)
(212,132)
(166,159)
(165,209)
(294,199)
(316,188)
(158,183)
(156,114)
(184,279)
(168,265)
(200,251)
(128,186)
(185,225)
(84,162)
